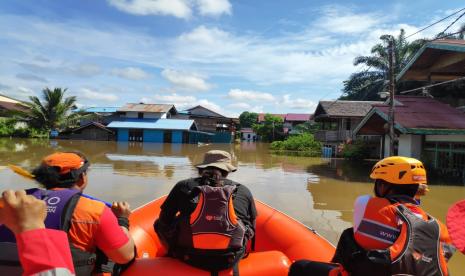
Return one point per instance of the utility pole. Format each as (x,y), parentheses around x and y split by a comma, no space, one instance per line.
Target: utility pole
(392,87)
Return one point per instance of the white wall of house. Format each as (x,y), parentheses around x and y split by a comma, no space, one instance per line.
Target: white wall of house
(445,138)
(410,145)
(249,136)
(147,115)
(386,145)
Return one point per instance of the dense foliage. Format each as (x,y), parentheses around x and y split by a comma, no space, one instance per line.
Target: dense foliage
(308,127)
(357,150)
(303,144)
(247,119)
(11,128)
(54,112)
(271,129)
(366,84)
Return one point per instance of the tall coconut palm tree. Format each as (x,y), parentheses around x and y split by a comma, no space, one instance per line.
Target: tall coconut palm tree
(366,84)
(54,112)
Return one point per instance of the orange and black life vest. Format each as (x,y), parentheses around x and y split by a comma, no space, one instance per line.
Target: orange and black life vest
(418,249)
(212,237)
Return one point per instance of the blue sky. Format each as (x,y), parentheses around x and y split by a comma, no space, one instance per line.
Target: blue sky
(230,56)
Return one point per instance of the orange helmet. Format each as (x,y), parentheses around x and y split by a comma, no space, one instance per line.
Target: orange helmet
(399,170)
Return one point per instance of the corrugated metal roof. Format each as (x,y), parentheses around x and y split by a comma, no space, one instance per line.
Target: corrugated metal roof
(157,108)
(344,108)
(101,109)
(173,124)
(420,114)
(298,117)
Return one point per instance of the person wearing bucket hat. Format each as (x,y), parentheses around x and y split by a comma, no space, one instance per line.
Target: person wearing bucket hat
(92,227)
(200,212)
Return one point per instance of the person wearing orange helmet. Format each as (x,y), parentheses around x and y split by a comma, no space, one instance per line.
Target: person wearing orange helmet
(90,224)
(392,234)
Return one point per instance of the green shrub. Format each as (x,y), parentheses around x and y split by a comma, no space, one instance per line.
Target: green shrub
(357,150)
(304,143)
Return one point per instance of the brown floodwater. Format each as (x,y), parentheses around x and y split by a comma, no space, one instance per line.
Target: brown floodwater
(314,191)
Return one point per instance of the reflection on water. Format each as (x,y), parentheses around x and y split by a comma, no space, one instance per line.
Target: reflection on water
(318,194)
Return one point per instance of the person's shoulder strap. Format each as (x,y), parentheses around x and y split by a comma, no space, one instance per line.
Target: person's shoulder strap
(68,212)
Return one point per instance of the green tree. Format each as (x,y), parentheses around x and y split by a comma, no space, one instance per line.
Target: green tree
(366,84)
(271,129)
(247,119)
(308,127)
(54,112)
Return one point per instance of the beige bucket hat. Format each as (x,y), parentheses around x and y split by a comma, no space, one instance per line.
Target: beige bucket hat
(218,159)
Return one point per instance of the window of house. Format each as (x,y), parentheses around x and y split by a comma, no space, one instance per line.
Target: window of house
(140,115)
(348,123)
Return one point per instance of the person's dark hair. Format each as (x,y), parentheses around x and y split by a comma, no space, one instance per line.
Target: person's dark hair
(50,177)
(404,189)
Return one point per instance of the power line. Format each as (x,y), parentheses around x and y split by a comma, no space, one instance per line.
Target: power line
(432,85)
(432,24)
(452,23)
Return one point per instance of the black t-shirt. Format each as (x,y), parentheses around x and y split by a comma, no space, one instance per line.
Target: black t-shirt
(181,199)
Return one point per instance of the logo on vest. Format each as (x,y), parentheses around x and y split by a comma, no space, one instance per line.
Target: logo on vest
(211,218)
(418,256)
(51,202)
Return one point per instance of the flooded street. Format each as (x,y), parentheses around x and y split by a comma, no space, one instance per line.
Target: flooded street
(314,192)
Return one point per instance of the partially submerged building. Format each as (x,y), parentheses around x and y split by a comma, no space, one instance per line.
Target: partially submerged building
(338,119)
(153,123)
(91,131)
(426,129)
(220,129)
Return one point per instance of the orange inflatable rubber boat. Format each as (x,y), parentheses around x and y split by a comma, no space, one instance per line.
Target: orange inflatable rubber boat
(280,240)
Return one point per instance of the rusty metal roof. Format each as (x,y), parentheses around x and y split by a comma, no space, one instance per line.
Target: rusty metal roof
(338,109)
(300,117)
(417,115)
(138,107)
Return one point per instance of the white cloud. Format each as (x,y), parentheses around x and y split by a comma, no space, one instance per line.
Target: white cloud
(176,8)
(298,103)
(130,73)
(238,94)
(339,19)
(185,81)
(214,7)
(97,95)
(174,99)
(302,57)
(244,106)
(86,69)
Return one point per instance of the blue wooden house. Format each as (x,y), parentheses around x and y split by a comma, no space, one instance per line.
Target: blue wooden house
(154,123)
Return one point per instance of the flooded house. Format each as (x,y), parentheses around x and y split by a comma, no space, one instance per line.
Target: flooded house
(291,120)
(338,121)
(217,127)
(90,131)
(431,128)
(247,134)
(426,129)
(140,122)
